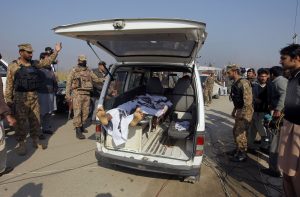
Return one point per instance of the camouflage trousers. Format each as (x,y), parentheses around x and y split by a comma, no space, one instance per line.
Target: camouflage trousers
(208,95)
(81,108)
(240,129)
(27,113)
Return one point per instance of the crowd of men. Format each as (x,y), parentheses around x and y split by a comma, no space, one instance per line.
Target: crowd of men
(266,107)
(267,116)
(29,99)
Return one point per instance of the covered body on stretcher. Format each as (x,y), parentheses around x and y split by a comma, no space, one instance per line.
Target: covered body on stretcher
(117,120)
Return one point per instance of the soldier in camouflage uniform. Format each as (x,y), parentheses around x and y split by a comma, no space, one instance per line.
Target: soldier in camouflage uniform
(241,94)
(208,88)
(21,94)
(78,91)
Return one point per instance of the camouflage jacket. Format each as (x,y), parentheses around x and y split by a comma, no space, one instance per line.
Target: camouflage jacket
(77,73)
(247,109)
(14,66)
(209,82)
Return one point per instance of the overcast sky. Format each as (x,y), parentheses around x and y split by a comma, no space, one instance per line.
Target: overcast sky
(249,33)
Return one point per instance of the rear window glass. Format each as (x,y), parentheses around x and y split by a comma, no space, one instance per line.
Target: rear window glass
(135,80)
(169,79)
(149,47)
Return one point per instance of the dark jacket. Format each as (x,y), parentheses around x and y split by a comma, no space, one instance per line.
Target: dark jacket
(260,97)
(48,81)
(292,99)
(4,109)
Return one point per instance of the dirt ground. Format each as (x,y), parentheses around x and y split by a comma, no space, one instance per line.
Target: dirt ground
(69,168)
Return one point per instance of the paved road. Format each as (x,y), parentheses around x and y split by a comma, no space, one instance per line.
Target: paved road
(69,168)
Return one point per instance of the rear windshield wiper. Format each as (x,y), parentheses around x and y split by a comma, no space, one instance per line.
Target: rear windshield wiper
(88,43)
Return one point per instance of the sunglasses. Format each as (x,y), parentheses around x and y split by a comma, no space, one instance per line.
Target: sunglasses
(29,52)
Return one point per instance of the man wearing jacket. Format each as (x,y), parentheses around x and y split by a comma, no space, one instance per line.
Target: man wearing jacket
(289,143)
(260,103)
(277,98)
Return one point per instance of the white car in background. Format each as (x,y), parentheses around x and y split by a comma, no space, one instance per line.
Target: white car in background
(3,71)
(144,49)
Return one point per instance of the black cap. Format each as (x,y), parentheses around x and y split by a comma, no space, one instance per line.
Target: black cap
(42,55)
(251,70)
(48,49)
(102,63)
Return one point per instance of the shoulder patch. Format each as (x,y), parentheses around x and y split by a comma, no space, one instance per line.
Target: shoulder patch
(245,81)
(13,64)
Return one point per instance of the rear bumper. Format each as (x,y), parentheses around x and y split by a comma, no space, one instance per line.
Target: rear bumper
(142,165)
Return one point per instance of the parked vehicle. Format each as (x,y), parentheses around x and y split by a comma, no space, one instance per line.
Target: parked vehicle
(61,102)
(218,89)
(3,71)
(147,50)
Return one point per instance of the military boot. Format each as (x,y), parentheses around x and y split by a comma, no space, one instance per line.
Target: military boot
(83,130)
(21,149)
(79,134)
(231,152)
(239,156)
(36,144)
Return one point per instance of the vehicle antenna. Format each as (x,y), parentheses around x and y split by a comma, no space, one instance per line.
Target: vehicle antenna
(295,36)
(107,70)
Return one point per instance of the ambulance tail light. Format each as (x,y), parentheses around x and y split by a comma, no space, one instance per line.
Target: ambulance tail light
(199,145)
(98,132)
(98,128)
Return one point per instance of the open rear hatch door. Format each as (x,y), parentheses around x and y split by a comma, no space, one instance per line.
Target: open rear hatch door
(142,40)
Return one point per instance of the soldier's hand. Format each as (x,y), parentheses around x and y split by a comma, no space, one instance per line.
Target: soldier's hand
(68,99)
(58,47)
(10,104)
(233,113)
(114,93)
(276,114)
(11,120)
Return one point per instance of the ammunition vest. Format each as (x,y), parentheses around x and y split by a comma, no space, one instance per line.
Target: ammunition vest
(237,95)
(82,81)
(27,79)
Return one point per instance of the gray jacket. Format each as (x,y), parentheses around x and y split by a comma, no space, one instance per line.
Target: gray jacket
(279,85)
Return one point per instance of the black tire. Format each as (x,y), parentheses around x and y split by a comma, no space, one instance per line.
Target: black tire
(218,95)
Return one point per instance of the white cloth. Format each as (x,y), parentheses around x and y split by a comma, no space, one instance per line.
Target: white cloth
(118,126)
(121,118)
(182,126)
